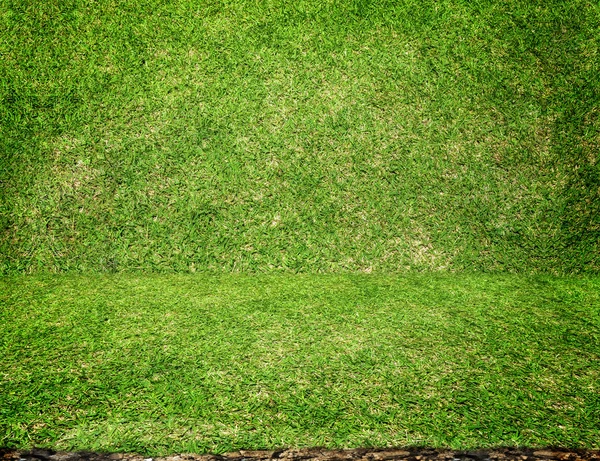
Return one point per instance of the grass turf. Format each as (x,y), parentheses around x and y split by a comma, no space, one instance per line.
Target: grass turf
(299,136)
(170,363)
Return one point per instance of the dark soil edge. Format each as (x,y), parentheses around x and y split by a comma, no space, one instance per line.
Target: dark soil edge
(317,454)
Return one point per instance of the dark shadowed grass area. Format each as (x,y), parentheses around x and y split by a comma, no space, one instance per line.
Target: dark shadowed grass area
(299,136)
(172,363)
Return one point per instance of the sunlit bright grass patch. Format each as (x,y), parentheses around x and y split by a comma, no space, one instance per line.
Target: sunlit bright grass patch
(161,364)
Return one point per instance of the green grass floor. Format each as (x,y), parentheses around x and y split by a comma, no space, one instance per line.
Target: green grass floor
(194,363)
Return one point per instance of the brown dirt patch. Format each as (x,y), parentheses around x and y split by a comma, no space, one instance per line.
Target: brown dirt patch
(316,454)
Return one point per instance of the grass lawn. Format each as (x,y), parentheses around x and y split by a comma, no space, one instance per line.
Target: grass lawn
(299,136)
(256,224)
(193,363)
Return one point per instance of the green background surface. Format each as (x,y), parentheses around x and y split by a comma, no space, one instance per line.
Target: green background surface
(280,136)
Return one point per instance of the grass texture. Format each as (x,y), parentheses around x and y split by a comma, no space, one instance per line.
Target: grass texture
(160,364)
(299,136)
